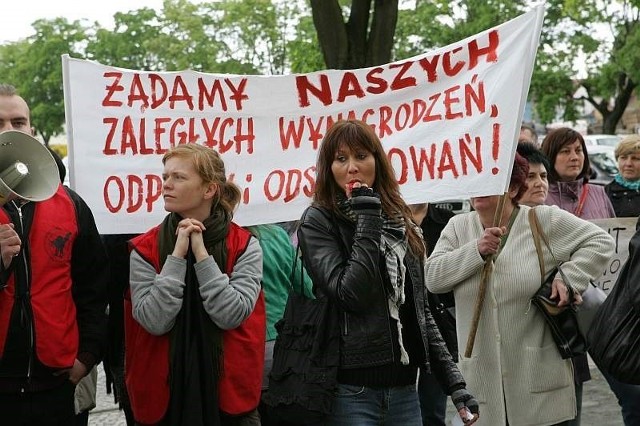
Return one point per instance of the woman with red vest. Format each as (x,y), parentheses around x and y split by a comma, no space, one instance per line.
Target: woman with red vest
(194,315)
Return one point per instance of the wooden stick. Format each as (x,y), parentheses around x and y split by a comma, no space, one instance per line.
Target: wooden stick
(484,279)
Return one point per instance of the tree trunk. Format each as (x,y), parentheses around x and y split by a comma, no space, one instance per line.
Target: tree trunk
(611,118)
(352,44)
(332,32)
(383,29)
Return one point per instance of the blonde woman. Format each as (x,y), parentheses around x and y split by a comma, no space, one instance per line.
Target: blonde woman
(195,318)
(624,190)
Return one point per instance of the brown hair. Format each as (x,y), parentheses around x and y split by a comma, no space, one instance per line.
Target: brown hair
(519,175)
(554,142)
(356,134)
(210,168)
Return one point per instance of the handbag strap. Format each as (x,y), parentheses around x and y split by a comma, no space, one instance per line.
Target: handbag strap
(535,230)
(583,198)
(538,234)
(534,222)
(300,281)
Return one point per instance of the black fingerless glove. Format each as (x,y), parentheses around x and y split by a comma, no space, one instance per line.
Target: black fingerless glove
(462,398)
(365,201)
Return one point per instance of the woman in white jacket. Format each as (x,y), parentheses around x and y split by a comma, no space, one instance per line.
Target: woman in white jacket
(515,371)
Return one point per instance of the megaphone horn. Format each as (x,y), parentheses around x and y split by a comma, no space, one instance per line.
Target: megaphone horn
(27,168)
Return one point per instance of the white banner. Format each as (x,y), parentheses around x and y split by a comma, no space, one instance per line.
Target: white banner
(448,120)
(622,229)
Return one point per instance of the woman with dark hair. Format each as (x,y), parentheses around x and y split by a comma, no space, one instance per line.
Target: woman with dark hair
(537,179)
(515,369)
(195,318)
(569,176)
(363,251)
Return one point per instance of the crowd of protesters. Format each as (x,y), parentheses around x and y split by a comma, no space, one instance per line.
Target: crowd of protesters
(186,316)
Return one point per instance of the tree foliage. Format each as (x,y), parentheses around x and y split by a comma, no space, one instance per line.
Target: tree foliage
(588,54)
(133,43)
(34,67)
(588,51)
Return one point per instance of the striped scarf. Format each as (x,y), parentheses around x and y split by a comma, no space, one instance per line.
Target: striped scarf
(393,246)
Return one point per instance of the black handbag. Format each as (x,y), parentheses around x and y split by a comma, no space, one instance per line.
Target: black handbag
(306,355)
(615,332)
(562,321)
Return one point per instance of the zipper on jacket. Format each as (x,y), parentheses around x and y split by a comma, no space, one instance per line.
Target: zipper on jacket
(345,327)
(27,312)
(388,314)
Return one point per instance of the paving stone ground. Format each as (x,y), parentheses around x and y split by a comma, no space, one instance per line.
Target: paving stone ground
(599,405)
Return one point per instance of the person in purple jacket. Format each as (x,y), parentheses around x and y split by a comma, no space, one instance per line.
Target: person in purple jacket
(569,176)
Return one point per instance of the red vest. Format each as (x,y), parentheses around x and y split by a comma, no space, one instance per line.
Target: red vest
(147,356)
(51,236)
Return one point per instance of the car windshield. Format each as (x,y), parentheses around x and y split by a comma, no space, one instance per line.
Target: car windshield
(609,141)
(604,161)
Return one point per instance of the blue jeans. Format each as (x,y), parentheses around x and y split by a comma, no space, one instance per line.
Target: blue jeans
(628,398)
(363,406)
(433,401)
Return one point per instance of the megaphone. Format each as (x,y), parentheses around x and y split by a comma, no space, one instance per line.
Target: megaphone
(27,168)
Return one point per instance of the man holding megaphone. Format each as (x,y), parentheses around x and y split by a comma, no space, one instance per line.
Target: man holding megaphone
(53,279)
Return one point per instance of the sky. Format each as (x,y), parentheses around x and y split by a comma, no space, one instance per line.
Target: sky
(15,21)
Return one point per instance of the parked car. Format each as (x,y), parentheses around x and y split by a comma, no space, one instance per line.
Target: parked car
(456,206)
(602,140)
(603,164)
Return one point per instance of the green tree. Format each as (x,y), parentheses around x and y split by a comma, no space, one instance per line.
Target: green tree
(180,36)
(435,23)
(36,71)
(601,36)
(11,63)
(303,51)
(248,37)
(132,42)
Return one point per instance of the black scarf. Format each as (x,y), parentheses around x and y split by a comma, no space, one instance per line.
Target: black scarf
(195,341)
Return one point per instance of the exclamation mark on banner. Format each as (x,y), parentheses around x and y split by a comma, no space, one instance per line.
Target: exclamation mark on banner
(495,146)
(245,193)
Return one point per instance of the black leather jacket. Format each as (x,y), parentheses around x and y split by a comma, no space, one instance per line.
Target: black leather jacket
(343,261)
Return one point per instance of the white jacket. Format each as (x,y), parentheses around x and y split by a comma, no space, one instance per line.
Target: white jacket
(515,367)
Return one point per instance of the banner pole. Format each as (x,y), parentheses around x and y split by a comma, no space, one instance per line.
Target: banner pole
(484,279)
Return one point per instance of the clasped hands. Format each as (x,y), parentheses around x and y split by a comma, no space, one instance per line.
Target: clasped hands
(189,232)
